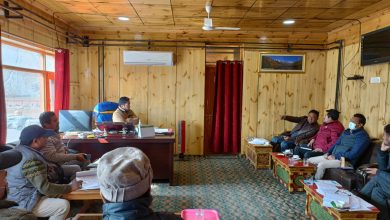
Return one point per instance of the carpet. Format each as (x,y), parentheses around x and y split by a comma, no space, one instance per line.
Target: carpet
(231,186)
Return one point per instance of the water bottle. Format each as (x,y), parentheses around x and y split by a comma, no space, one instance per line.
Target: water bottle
(139,128)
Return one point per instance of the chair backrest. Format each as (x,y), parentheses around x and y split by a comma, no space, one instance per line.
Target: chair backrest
(369,156)
(103,111)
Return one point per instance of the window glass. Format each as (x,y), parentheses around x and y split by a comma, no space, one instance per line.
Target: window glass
(24,98)
(14,56)
(50,63)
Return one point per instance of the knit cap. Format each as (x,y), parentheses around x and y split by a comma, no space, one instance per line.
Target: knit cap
(124,174)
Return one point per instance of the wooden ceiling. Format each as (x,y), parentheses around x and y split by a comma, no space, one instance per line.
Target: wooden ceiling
(185,17)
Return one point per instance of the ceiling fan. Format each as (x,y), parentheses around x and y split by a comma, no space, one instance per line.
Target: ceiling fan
(208,23)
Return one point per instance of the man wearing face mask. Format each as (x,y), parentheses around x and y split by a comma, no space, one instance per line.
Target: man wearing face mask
(352,143)
(378,189)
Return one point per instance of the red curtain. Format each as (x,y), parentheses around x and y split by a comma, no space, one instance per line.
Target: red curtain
(62,80)
(226,134)
(3,113)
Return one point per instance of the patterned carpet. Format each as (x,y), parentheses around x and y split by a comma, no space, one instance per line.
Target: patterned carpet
(231,186)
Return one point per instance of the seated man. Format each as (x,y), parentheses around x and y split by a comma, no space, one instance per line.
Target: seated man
(125,176)
(9,158)
(351,145)
(28,183)
(306,128)
(328,134)
(123,113)
(55,149)
(377,190)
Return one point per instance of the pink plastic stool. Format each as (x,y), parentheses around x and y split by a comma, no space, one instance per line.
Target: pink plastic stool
(195,214)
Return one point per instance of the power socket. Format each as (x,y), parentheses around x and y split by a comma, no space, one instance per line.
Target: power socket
(375,80)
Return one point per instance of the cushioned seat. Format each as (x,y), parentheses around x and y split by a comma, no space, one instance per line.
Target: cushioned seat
(350,179)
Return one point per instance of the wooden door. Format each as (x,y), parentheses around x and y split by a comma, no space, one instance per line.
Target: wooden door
(209,107)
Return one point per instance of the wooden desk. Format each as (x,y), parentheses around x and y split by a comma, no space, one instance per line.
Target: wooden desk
(315,210)
(291,175)
(258,155)
(159,149)
(93,194)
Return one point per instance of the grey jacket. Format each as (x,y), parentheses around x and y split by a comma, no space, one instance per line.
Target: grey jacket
(20,189)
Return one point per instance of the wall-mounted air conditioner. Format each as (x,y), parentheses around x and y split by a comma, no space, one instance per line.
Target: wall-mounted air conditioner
(148,58)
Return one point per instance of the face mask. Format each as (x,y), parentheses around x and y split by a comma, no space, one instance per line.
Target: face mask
(351,125)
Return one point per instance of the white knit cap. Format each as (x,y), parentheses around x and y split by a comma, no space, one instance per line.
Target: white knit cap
(124,174)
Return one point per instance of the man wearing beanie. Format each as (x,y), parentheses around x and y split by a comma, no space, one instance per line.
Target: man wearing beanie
(28,184)
(125,176)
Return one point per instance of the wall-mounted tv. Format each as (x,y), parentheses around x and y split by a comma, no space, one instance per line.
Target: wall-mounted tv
(376,47)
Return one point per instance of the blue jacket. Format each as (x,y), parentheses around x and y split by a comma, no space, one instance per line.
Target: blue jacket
(351,145)
(135,209)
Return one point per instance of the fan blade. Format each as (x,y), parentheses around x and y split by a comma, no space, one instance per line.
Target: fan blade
(227,28)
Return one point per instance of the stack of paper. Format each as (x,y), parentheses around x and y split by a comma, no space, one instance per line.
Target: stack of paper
(89,179)
(259,141)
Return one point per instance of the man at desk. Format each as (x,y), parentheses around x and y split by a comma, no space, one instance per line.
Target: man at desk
(123,113)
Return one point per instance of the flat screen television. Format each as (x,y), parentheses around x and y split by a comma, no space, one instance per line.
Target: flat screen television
(375,47)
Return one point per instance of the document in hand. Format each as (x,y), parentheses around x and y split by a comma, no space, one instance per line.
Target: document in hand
(89,179)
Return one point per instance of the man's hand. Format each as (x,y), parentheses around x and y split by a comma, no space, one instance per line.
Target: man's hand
(283,117)
(384,147)
(317,150)
(81,157)
(310,143)
(371,171)
(76,184)
(330,157)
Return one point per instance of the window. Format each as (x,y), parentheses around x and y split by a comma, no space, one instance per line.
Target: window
(28,73)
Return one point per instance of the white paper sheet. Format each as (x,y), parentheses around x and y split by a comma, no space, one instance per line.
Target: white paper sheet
(89,179)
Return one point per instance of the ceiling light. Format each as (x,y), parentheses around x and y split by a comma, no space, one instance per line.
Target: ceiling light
(123,18)
(290,21)
(263,38)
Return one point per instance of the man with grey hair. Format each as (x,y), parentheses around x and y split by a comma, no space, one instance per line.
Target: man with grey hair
(125,176)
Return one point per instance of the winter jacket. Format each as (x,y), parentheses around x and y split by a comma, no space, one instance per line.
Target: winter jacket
(328,134)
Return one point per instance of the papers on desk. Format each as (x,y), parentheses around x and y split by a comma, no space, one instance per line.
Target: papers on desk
(163,131)
(259,141)
(342,199)
(89,179)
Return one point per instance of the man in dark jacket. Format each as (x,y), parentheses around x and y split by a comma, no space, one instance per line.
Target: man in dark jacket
(306,128)
(328,134)
(125,176)
(377,190)
(351,145)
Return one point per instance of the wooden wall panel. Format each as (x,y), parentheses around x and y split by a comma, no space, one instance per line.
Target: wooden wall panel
(111,73)
(190,96)
(249,96)
(268,96)
(134,84)
(162,96)
(331,78)
(88,77)
(360,96)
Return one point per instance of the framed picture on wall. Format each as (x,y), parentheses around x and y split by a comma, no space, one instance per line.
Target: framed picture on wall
(282,63)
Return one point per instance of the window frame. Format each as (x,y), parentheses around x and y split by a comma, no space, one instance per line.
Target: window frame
(47,75)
